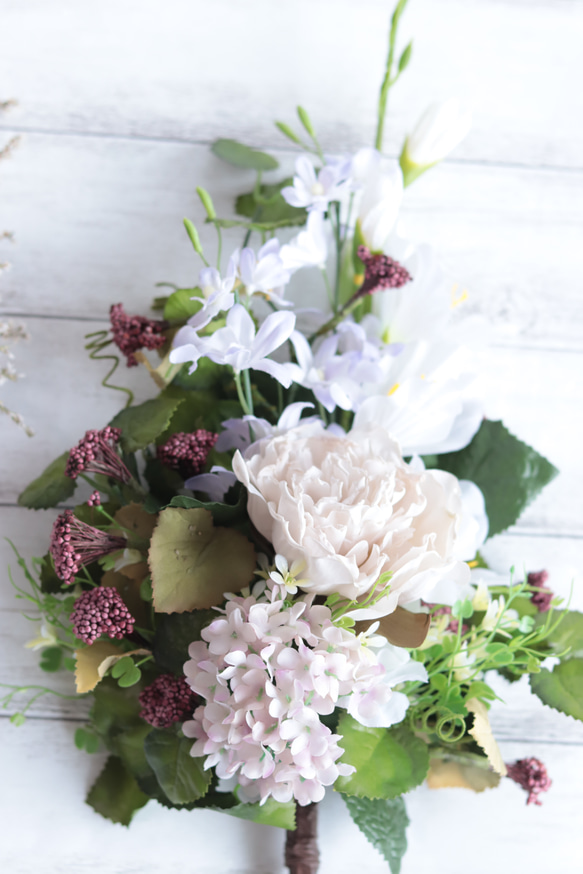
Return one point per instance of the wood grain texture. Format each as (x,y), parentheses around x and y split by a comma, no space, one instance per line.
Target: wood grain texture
(118,103)
(181,70)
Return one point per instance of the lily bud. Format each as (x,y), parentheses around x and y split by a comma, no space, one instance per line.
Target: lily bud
(438,132)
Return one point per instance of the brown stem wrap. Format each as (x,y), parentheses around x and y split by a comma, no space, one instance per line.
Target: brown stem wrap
(301,845)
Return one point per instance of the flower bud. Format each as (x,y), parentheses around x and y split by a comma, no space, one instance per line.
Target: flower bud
(438,132)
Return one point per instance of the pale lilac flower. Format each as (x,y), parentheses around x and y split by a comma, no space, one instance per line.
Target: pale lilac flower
(264,272)
(237,433)
(215,484)
(217,294)
(315,191)
(238,345)
(309,248)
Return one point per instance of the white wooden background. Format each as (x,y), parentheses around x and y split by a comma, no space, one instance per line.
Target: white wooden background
(118,101)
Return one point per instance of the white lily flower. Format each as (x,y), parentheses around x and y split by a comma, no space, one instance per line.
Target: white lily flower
(46,637)
(240,347)
(309,248)
(315,191)
(439,130)
(382,192)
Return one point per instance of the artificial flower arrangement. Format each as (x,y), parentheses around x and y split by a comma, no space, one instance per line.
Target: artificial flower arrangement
(275,587)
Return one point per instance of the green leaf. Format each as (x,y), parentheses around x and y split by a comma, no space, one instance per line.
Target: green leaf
(242,156)
(141,425)
(50,583)
(568,635)
(181,777)
(193,563)
(130,678)
(51,659)
(115,794)
(50,488)
(114,710)
(275,210)
(561,688)
(122,667)
(275,813)
(383,822)
(509,472)
(198,409)
(223,514)
(174,634)
(388,762)
(181,305)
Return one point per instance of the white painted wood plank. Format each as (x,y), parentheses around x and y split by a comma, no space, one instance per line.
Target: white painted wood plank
(97,221)
(197,70)
(449,827)
(62,397)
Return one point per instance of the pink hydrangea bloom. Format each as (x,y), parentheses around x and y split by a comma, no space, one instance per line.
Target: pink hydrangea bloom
(268,670)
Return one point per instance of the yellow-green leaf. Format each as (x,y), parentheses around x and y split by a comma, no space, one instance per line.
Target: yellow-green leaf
(193,563)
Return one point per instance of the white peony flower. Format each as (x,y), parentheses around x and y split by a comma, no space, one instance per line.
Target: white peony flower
(352,509)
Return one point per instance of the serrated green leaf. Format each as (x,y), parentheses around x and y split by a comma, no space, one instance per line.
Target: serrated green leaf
(509,472)
(198,409)
(275,813)
(223,514)
(561,688)
(275,210)
(141,425)
(568,635)
(388,762)
(240,155)
(383,822)
(193,563)
(182,304)
(174,634)
(50,488)
(181,777)
(115,794)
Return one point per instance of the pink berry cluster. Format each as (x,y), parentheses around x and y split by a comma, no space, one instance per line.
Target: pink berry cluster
(75,544)
(131,333)
(187,453)
(541,599)
(381,272)
(96,452)
(268,671)
(531,775)
(101,611)
(167,700)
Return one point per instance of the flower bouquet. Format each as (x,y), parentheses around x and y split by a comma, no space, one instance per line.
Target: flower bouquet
(274,585)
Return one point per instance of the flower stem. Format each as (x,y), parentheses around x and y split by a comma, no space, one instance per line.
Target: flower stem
(301,846)
(388,81)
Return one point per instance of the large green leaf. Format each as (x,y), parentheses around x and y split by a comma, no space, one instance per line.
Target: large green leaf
(240,155)
(174,634)
(50,488)
(193,563)
(383,822)
(568,635)
(181,777)
(182,304)
(271,207)
(561,688)
(388,762)
(198,409)
(272,812)
(115,794)
(509,472)
(141,425)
